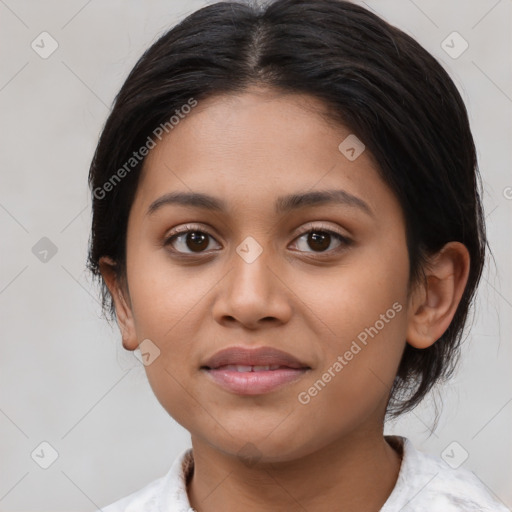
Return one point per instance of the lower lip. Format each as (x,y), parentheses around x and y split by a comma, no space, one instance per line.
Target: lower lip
(255,383)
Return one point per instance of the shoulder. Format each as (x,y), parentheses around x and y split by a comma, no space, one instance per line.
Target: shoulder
(426,483)
(143,500)
(165,493)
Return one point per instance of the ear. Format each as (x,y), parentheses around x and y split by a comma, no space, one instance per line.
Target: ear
(434,303)
(122,304)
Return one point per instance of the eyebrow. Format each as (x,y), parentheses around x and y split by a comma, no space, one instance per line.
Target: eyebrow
(284,204)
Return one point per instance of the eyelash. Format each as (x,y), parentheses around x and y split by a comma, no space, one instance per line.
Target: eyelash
(313,229)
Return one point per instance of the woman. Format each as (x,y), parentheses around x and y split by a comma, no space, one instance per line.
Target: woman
(287,224)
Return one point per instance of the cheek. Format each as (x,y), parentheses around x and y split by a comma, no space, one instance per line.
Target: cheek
(359,314)
(166,304)
(163,293)
(346,299)
(352,384)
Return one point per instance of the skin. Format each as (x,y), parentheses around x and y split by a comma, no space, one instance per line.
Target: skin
(248,149)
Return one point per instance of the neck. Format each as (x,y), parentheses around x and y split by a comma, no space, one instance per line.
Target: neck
(357,472)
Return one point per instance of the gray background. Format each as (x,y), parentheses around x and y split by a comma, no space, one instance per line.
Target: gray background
(64,376)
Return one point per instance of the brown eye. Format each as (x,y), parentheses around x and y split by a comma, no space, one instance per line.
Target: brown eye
(320,239)
(189,241)
(196,241)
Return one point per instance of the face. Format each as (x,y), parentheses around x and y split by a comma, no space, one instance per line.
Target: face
(324,281)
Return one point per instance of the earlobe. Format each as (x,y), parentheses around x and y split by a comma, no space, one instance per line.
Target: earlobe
(435,302)
(124,312)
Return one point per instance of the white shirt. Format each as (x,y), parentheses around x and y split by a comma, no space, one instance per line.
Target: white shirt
(425,484)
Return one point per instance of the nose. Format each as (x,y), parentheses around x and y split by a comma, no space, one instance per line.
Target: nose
(252,294)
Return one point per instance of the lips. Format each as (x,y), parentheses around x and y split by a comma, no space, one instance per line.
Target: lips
(255,368)
(253,371)
(258,357)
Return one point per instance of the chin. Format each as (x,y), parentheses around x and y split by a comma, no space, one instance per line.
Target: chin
(253,445)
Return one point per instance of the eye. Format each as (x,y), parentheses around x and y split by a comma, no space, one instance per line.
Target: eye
(320,238)
(195,240)
(189,237)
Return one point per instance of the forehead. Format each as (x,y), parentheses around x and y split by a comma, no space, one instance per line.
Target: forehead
(253,147)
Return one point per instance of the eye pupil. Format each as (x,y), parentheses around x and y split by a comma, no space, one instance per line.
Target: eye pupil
(315,237)
(197,240)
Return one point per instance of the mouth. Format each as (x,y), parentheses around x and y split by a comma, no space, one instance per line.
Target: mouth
(244,368)
(258,371)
